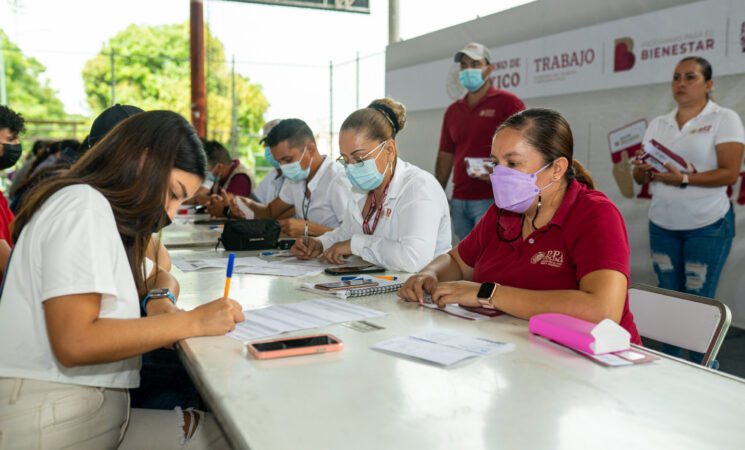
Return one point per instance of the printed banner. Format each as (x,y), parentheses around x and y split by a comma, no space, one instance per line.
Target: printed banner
(634,51)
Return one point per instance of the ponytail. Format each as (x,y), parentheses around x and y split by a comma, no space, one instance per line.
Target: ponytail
(579,173)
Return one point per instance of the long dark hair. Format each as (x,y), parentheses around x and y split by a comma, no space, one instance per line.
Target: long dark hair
(131,167)
(548,132)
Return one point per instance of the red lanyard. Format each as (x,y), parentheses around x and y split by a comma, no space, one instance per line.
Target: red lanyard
(366,224)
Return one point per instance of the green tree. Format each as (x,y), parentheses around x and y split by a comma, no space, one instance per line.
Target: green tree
(27,93)
(152,71)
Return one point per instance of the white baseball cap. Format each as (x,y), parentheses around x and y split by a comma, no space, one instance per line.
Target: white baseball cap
(475,51)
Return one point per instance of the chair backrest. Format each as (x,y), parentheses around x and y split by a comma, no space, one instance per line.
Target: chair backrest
(680,319)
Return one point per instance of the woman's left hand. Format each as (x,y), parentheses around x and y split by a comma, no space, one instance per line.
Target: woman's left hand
(335,253)
(673,177)
(461,292)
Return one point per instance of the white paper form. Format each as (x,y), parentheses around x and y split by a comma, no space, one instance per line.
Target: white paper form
(416,348)
(471,344)
(279,271)
(442,346)
(197,264)
(277,319)
(252,265)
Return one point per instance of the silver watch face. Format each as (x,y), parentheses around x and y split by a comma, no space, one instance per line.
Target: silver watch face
(158,293)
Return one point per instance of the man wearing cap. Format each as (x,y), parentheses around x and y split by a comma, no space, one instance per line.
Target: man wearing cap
(467,130)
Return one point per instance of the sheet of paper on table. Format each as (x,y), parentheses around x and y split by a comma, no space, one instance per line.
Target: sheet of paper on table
(277,319)
(442,346)
(251,265)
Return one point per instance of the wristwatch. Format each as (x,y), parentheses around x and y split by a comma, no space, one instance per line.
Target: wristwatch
(684,183)
(486,291)
(157,293)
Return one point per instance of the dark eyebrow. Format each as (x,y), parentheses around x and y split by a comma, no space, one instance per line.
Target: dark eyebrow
(512,154)
(183,189)
(359,150)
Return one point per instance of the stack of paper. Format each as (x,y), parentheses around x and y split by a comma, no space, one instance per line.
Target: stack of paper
(442,347)
(291,267)
(277,319)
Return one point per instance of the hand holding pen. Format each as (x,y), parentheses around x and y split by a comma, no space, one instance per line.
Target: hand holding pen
(307,249)
(219,316)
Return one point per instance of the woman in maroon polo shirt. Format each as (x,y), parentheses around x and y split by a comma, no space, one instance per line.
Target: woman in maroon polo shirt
(550,244)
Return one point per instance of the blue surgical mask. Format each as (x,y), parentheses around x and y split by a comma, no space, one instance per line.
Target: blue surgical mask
(292,171)
(270,158)
(212,178)
(365,176)
(471,79)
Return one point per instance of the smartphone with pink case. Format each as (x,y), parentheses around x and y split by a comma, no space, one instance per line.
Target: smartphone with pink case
(295,346)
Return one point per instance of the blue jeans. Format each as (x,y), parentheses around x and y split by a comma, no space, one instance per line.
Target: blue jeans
(466,214)
(691,261)
(164,383)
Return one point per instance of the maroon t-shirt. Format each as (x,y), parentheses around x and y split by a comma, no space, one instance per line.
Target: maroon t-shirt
(587,233)
(6,216)
(240,184)
(468,132)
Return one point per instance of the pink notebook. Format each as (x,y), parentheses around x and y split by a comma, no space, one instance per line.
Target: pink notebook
(604,337)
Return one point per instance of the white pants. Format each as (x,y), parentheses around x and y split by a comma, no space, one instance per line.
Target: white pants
(46,415)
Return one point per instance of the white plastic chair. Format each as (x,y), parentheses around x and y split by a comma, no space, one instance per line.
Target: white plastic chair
(680,319)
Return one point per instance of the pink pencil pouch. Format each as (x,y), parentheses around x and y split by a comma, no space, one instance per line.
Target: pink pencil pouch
(604,337)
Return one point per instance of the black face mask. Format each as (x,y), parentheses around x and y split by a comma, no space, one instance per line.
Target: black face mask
(157,227)
(11,153)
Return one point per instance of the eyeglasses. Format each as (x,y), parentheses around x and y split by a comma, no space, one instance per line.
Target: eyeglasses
(358,160)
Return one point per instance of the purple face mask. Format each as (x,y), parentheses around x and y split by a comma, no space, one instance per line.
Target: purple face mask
(514,190)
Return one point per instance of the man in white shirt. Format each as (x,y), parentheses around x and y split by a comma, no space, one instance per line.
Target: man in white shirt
(317,188)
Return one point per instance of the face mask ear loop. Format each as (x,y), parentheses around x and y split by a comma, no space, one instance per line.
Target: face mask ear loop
(537,210)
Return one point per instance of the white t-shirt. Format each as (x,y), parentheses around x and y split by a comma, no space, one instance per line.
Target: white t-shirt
(269,187)
(70,246)
(413,228)
(329,192)
(694,207)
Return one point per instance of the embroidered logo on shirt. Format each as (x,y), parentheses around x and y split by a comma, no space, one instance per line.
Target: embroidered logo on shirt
(553,258)
(705,129)
(537,257)
(488,113)
(388,212)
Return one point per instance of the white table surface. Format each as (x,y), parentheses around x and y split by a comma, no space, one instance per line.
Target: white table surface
(539,396)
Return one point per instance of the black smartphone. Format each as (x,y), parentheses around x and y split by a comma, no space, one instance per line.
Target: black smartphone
(353,270)
(285,244)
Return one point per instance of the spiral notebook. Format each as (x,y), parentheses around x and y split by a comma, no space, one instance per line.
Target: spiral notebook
(383,287)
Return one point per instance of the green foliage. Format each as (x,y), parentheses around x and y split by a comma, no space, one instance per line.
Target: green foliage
(27,94)
(152,71)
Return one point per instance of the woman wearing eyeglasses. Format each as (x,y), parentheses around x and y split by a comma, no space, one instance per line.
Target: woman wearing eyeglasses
(404,220)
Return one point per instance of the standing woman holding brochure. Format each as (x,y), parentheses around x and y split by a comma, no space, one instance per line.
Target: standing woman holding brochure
(71,335)
(550,244)
(691,220)
(403,221)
